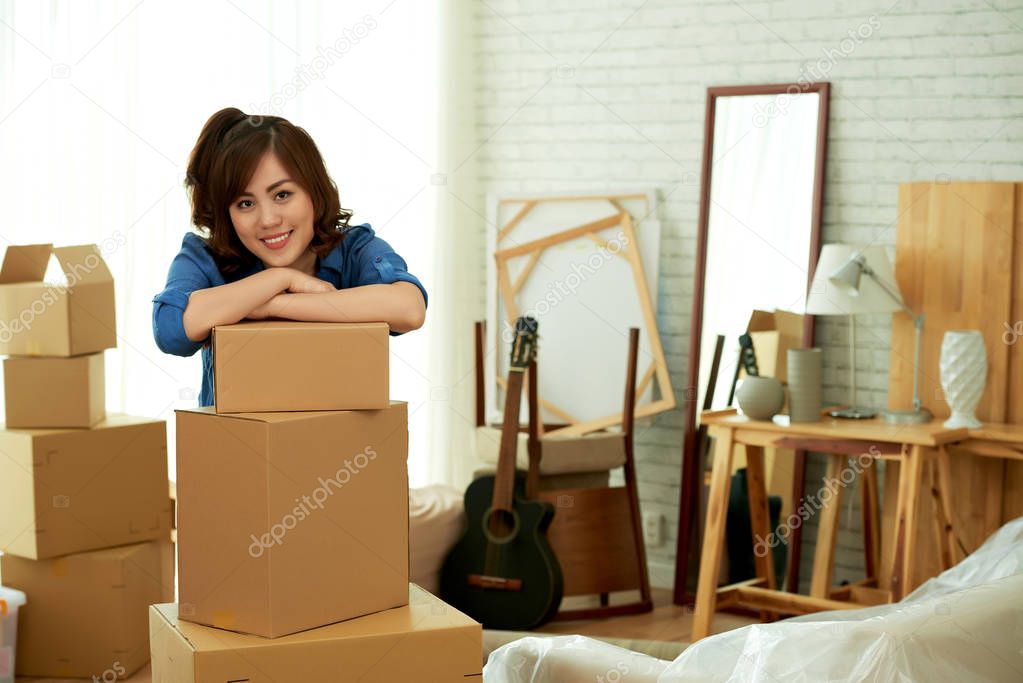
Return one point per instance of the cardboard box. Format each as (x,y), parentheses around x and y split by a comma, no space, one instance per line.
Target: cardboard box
(87,613)
(44,319)
(290,521)
(290,366)
(426,641)
(54,392)
(70,490)
(774,333)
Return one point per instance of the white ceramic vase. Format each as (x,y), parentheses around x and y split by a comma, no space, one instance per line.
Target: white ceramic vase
(963,373)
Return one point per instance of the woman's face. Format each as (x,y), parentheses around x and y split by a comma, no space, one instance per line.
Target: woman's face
(274,215)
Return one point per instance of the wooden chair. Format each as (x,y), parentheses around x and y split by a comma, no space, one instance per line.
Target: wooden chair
(597,529)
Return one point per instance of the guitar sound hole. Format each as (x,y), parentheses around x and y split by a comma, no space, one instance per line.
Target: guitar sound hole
(500,526)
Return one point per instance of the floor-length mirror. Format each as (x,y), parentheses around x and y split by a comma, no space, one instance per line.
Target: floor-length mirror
(758,239)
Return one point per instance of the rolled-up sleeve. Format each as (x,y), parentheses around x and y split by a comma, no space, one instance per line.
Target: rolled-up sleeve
(377,263)
(186,276)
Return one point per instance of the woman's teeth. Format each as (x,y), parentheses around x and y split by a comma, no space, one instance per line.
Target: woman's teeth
(277,242)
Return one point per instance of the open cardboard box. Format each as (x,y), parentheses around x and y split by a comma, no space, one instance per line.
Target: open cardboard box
(44,319)
(774,333)
(290,521)
(279,365)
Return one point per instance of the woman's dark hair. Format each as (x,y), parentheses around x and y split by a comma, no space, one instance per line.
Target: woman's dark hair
(222,162)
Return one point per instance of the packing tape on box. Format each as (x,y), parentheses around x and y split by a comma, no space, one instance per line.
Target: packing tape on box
(223,619)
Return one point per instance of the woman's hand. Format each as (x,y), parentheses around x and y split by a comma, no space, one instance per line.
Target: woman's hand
(270,309)
(297,282)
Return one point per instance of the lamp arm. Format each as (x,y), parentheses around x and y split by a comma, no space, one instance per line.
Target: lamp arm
(918,325)
(887,290)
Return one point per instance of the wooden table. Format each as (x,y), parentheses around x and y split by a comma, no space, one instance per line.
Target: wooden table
(867,441)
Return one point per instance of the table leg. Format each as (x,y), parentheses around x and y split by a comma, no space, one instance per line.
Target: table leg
(870,512)
(910,472)
(941,524)
(760,515)
(713,535)
(827,532)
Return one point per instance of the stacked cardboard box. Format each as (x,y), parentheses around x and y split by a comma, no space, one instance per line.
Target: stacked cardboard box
(84,510)
(293,523)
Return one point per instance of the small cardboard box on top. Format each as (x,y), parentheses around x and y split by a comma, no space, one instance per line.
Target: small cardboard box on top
(426,641)
(774,333)
(280,365)
(291,521)
(52,392)
(87,613)
(44,319)
(71,490)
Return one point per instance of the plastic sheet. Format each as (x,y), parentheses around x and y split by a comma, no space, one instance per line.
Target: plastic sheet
(964,625)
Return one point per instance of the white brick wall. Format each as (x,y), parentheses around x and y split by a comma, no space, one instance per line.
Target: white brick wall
(588,94)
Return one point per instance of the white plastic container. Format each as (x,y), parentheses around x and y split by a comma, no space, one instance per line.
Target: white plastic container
(10,601)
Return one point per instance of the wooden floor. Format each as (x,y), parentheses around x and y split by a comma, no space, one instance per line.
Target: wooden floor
(667,622)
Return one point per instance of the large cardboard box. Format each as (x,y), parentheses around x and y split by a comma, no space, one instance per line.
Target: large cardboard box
(54,392)
(426,641)
(290,521)
(87,613)
(44,319)
(290,366)
(70,490)
(774,333)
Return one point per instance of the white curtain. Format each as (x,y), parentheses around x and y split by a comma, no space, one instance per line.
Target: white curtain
(100,104)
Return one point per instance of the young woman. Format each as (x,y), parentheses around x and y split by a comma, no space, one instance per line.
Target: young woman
(275,243)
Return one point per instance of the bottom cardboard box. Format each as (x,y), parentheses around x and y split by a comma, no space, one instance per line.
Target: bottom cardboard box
(85,616)
(426,641)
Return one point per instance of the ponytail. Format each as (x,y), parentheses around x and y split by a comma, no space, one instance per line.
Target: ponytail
(202,158)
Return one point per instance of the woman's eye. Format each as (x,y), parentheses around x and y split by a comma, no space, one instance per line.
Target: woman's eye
(284,192)
(242,204)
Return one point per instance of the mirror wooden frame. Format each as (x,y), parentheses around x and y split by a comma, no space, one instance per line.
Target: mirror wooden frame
(689,494)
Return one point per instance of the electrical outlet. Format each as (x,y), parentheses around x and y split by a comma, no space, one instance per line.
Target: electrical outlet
(652,528)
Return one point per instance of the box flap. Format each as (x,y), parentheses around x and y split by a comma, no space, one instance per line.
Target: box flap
(789,324)
(82,264)
(760,321)
(786,322)
(270,418)
(25,263)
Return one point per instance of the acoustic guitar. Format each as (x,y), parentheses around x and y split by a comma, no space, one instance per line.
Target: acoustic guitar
(503,572)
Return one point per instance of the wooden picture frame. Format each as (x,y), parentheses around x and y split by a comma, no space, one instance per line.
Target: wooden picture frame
(509,288)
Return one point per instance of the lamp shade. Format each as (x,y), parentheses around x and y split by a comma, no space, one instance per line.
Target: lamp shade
(841,285)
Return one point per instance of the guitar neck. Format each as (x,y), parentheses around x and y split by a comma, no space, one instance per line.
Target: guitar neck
(505,480)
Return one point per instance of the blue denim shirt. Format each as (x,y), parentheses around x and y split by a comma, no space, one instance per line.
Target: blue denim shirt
(361,258)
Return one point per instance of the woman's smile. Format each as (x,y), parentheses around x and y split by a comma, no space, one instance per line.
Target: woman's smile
(277,240)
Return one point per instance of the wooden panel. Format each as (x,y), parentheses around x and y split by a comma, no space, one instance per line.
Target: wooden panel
(953,262)
(589,524)
(958,247)
(1012,501)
